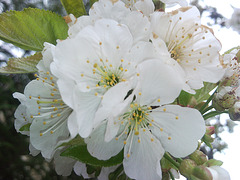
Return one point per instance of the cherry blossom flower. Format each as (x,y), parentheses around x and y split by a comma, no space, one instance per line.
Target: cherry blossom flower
(147,124)
(192,46)
(42,107)
(99,58)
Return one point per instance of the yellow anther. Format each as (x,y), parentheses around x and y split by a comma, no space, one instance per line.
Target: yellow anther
(88,61)
(53,84)
(101,60)
(126,132)
(45,78)
(52,94)
(138,74)
(51,78)
(136,104)
(110,65)
(31,116)
(122,60)
(121,69)
(96,94)
(117,47)
(47,73)
(44,123)
(41,134)
(39,113)
(152,139)
(176,117)
(97,85)
(100,43)
(131,106)
(144,130)
(126,70)
(37,79)
(178,60)
(169,138)
(136,133)
(152,120)
(164,109)
(149,108)
(51,116)
(30,97)
(194,69)
(138,140)
(55,109)
(199,60)
(39,107)
(116,138)
(124,142)
(161,129)
(150,124)
(128,155)
(88,87)
(104,85)
(39,97)
(140,93)
(58,115)
(139,109)
(82,75)
(158,100)
(51,132)
(35,75)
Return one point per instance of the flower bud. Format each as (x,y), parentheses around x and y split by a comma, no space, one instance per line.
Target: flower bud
(234,112)
(225,98)
(186,167)
(198,157)
(202,172)
(210,130)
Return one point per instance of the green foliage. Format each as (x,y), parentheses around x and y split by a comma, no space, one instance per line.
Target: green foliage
(75,7)
(25,127)
(30,28)
(22,65)
(80,153)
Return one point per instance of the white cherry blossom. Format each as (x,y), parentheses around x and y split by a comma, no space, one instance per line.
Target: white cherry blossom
(193,48)
(99,58)
(42,107)
(146,125)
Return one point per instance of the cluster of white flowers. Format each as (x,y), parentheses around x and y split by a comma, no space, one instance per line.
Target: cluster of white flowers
(114,81)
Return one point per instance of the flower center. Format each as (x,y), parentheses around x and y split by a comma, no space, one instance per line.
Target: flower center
(108,75)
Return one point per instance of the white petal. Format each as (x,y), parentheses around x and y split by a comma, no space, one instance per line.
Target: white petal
(162,83)
(100,149)
(63,165)
(219,173)
(73,125)
(182,127)
(81,170)
(33,150)
(45,133)
(144,160)
(138,25)
(105,171)
(86,105)
(78,25)
(145,6)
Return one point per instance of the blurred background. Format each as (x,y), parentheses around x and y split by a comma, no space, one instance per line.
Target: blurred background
(15,161)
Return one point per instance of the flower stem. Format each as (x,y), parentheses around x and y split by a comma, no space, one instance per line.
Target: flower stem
(171,160)
(207,109)
(171,175)
(213,113)
(207,102)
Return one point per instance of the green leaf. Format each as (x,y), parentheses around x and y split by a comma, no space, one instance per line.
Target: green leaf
(25,127)
(213,162)
(30,28)
(22,65)
(80,153)
(184,98)
(75,7)
(76,141)
(92,2)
